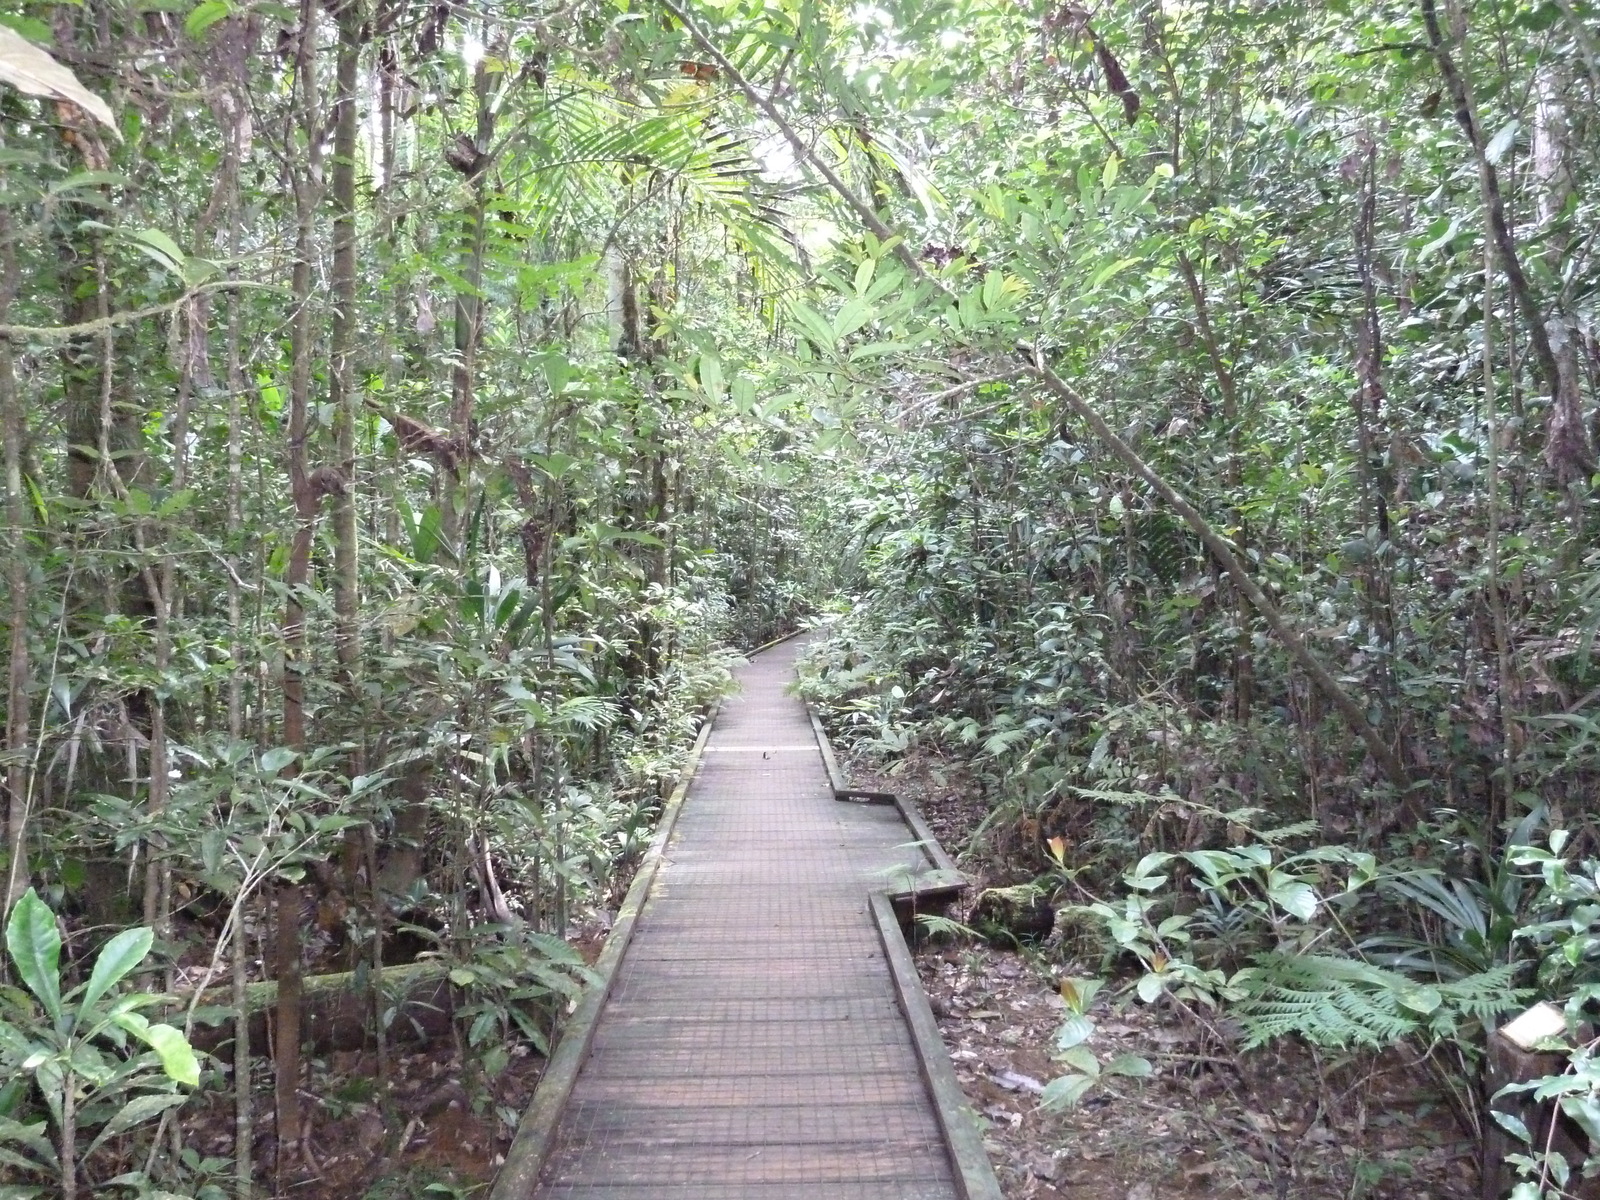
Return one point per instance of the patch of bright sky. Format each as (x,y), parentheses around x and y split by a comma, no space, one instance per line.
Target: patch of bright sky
(471,49)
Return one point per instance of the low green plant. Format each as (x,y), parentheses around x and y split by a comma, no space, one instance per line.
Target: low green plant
(515,978)
(1468,921)
(76,1051)
(1073,1050)
(1565,937)
(1304,974)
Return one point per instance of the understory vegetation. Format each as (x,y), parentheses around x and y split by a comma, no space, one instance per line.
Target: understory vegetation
(1186,412)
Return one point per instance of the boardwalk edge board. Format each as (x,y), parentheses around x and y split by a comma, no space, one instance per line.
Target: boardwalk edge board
(974,1173)
(945,880)
(777,641)
(535,1135)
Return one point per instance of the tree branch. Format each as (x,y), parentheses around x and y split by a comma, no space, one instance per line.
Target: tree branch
(62,333)
(802,151)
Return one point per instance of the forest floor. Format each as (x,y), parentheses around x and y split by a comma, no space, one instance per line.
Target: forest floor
(1209,1121)
(425,1124)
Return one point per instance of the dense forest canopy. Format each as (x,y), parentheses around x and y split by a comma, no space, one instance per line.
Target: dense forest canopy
(1189,410)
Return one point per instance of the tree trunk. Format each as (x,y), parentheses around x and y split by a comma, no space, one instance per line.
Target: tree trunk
(297,575)
(14,421)
(456,498)
(346,404)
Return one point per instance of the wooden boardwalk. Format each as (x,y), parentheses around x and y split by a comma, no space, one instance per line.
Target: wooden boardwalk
(752,1047)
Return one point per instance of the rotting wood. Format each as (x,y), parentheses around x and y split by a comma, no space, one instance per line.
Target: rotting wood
(336,1008)
(1516,1054)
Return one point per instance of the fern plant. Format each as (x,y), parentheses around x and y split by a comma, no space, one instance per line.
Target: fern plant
(1335,1000)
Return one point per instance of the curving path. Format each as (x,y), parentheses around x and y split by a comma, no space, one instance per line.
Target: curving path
(752,1047)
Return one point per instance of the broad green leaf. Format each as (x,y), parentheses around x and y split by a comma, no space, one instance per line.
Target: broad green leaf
(35,946)
(1074,1031)
(1129,1064)
(1079,992)
(1081,1058)
(119,956)
(277,758)
(172,1048)
(32,28)
(1295,898)
(1149,987)
(35,1137)
(136,1112)
(205,15)
(555,464)
(160,248)
(852,317)
(1421,999)
(878,350)
(85,179)
(198,270)
(1065,1092)
(710,371)
(1110,270)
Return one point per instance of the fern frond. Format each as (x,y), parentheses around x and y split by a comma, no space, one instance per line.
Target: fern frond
(1331,1000)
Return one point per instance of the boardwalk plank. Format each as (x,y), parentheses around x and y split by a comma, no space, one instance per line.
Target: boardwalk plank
(752,1047)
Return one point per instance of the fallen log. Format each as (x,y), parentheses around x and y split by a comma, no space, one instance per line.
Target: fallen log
(337,1010)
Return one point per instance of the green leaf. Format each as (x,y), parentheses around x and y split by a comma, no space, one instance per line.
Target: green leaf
(35,947)
(135,1112)
(1079,992)
(85,179)
(198,270)
(1131,1065)
(1149,987)
(31,28)
(172,1048)
(35,1137)
(1141,876)
(710,371)
(1081,1058)
(160,249)
(1421,999)
(1065,1092)
(277,759)
(120,955)
(1074,1031)
(205,15)
(1295,898)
